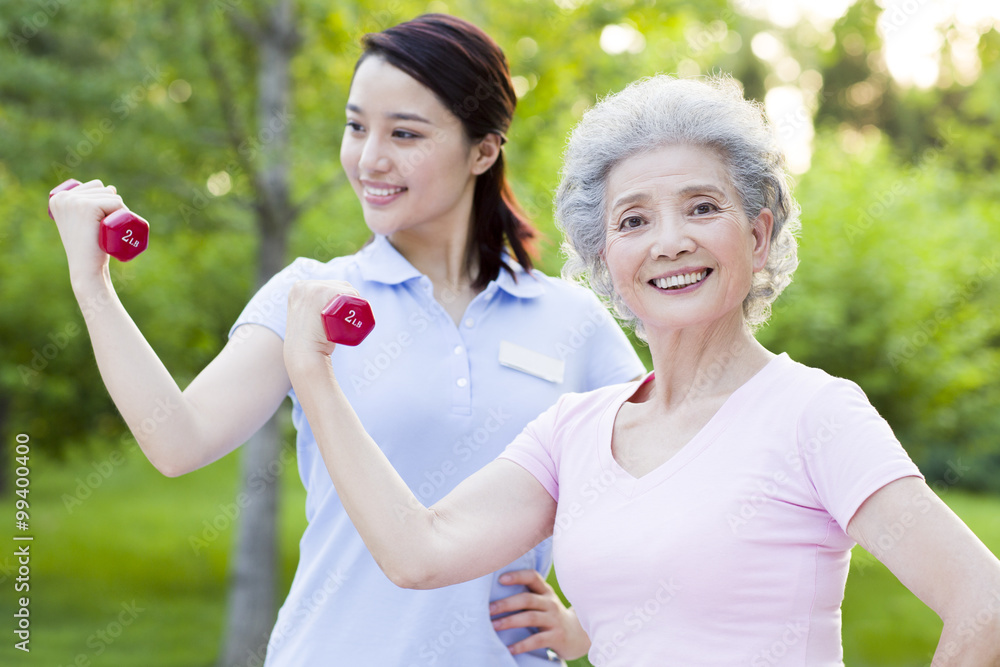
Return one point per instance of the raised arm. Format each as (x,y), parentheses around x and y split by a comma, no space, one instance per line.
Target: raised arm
(486,522)
(178,431)
(934,554)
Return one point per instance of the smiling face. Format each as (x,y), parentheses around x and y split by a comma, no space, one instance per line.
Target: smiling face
(680,249)
(407,156)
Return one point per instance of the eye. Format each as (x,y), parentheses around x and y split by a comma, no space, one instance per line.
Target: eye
(354,126)
(631,222)
(405,134)
(704,208)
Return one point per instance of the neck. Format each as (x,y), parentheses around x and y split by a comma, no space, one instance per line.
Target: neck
(708,361)
(440,257)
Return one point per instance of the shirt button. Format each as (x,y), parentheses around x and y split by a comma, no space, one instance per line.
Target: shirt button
(469,322)
(462,382)
(458,349)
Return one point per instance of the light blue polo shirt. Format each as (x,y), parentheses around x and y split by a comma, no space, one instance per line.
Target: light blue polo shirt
(441,405)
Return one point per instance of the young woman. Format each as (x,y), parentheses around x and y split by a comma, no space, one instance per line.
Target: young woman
(705,515)
(470,344)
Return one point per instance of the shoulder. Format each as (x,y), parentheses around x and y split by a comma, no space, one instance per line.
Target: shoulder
(566,298)
(808,385)
(306,268)
(576,405)
(826,406)
(560,287)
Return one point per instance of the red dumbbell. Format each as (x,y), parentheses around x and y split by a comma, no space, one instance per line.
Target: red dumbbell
(348,320)
(123,234)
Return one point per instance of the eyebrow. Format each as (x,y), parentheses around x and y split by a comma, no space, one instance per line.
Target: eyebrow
(398,115)
(643,197)
(629,200)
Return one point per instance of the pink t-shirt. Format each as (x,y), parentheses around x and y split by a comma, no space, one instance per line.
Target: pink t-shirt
(734,551)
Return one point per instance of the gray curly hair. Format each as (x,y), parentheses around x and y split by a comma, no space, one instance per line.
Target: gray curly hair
(660,111)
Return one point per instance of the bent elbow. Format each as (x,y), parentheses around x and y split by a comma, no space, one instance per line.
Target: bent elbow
(406,578)
(170,470)
(413,575)
(168,467)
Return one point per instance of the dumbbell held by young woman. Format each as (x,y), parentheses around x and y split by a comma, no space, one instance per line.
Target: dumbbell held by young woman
(122,234)
(347,319)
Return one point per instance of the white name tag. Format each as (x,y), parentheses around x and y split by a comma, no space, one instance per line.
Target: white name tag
(531,362)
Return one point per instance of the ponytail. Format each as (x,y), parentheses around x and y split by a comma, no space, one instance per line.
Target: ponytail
(468,72)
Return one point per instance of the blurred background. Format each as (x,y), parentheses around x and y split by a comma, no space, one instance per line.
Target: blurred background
(220,123)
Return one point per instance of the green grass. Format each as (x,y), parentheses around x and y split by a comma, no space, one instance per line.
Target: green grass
(129,541)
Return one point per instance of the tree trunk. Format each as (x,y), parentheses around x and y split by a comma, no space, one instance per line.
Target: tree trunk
(252,600)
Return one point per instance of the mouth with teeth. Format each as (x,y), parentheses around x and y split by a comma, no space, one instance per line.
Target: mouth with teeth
(672,283)
(382,192)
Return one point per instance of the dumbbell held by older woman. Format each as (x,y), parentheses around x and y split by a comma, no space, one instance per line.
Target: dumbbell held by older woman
(122,234)
(347,319)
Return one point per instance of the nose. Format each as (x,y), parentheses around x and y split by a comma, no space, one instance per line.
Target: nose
(374,156)
(671,238)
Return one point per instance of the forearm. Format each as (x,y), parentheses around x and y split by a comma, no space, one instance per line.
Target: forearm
(142,389)
(397,529)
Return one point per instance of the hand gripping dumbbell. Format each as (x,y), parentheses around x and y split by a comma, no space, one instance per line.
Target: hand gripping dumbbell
(123,234)
(347,319)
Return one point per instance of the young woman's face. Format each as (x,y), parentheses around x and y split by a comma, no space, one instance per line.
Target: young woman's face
(406,155)
(680,249)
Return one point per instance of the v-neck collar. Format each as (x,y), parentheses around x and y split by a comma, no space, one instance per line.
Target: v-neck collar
(709,433)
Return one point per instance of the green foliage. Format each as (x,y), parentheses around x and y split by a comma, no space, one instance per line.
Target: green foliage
(898,289)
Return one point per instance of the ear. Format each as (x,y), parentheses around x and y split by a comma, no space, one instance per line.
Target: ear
(761,229)
(485,153)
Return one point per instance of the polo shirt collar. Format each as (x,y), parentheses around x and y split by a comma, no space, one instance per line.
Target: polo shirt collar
(384,264)
(528,286)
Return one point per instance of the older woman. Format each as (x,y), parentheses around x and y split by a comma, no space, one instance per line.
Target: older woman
(705,514)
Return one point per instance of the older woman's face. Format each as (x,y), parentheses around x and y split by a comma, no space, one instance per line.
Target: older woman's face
(679,247)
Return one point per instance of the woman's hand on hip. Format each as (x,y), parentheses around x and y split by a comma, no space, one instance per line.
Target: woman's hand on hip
(540,607)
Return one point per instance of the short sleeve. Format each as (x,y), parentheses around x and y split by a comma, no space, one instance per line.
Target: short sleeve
(849,450)
(269,306)
(533,448)
(611,359)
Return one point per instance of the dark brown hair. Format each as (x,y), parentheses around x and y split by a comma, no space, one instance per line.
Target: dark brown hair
(468,72)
